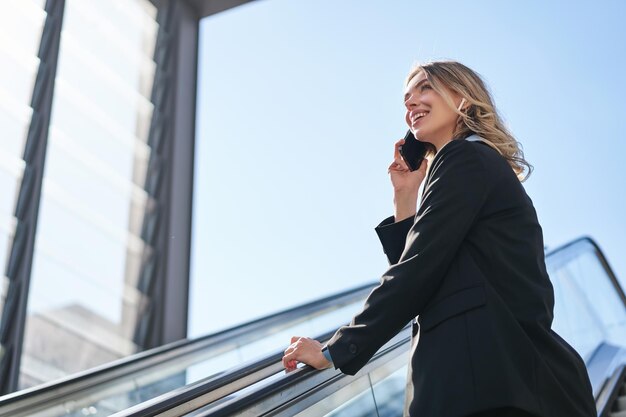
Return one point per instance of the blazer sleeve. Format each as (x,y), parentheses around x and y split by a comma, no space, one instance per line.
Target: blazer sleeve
(454,195)
(392,236)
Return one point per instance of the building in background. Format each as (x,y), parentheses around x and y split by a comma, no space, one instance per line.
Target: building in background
(97,117)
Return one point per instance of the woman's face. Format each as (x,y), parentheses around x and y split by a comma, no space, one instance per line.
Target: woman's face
(429,117)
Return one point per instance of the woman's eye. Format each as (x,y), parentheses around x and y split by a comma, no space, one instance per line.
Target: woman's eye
(424,86)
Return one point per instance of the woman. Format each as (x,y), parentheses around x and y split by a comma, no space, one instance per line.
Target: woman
(469,261)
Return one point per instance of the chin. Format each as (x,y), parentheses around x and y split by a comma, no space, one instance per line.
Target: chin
(421,136)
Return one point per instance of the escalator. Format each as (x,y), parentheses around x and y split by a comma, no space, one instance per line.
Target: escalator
(139,378)
(197,378)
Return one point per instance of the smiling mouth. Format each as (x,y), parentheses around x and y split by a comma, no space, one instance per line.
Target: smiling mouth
(418,116)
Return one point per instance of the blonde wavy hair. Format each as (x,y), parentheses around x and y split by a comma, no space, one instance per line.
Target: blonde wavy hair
(479,116)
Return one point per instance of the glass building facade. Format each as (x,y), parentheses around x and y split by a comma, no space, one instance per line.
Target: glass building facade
(93,192)
(91,174)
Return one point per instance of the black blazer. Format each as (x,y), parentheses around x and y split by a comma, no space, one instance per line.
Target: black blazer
(471,265)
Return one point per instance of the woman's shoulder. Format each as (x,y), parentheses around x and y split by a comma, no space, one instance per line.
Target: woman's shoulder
(481,145)
(455,163)
(491,158)
(470,154)
(465,149)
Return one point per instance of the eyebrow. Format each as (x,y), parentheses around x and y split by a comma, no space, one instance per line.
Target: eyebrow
(414,87)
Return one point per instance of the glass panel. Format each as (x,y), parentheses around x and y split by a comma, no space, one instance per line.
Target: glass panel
(176,371)
(389,390)
(587,310)
(21,24)
(84,306)
(353,400)
(379,393)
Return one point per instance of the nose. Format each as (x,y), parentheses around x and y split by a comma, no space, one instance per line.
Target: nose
(410,102)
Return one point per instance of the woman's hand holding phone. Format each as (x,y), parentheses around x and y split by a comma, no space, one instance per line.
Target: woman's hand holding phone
(405,183)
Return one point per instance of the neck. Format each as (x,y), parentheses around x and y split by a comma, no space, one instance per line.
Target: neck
(442,140)
(438,148)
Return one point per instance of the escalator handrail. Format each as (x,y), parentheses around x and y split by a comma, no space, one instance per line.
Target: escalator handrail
(214,387)
(69,385)
(307,382)
(610,391)
(565,252)
(205,392)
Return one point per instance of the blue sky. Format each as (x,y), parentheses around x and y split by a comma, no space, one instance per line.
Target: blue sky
(300,102)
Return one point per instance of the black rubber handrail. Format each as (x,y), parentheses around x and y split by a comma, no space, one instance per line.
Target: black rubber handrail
(66,388)
(211,390)
(283,394)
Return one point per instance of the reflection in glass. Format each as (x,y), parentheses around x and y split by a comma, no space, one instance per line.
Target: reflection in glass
(353,400)
(84,304)
(389,390)
(378,393)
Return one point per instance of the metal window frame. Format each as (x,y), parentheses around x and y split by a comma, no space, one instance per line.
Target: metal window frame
(170,291)
(204,8)
(20,260)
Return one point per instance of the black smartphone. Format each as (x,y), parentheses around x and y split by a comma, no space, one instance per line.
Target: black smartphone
(413,151)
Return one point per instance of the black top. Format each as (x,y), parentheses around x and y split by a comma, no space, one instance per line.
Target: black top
(471,265)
